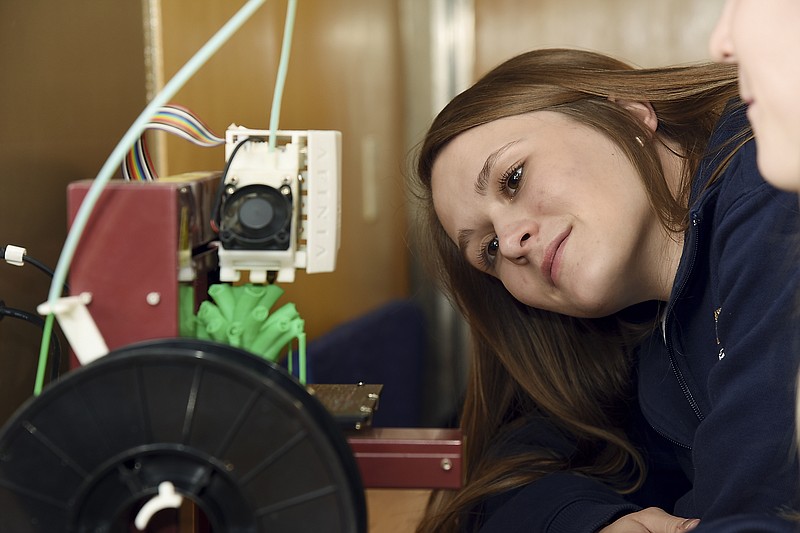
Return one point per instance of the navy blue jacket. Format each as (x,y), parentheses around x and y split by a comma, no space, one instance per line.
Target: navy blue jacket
(759,523)
(716,385)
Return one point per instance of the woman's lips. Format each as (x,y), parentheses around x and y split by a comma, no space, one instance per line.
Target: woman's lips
(552,256)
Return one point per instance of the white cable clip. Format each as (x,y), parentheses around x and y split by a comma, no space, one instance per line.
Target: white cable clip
(14,254)
(78,326)
(166,498)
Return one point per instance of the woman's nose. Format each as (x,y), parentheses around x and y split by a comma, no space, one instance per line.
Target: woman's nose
(517,240)
(720,44)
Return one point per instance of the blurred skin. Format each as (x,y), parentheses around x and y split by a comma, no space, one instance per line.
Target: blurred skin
(763,37)
(651,520)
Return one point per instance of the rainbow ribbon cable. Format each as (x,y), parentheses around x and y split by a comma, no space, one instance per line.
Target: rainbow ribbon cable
(173,119)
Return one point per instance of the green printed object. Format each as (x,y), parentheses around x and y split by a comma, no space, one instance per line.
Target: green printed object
(240,316)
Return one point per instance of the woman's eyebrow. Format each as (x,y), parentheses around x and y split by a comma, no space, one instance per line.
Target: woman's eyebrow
(482,181)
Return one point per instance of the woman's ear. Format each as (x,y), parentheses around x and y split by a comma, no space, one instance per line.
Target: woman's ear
(641,110)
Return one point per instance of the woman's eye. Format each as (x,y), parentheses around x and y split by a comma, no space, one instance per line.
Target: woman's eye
(487,253)
(510,181)
(492,247)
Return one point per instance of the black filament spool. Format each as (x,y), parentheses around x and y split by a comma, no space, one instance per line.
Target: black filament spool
(234,433)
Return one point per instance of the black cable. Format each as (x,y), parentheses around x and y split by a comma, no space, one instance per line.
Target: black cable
(38,264)
(215,215)
(55,344)
(44,268)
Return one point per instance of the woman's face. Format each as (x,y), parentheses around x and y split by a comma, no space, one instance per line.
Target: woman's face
(763,37)
(555,210)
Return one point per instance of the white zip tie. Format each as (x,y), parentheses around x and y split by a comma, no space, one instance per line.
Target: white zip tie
(14,254)
(167,498)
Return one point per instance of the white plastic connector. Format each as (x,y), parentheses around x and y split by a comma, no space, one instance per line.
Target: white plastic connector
(186,271)
(166,498)
(14,254)
(78,326)
(310,163)
(257,263)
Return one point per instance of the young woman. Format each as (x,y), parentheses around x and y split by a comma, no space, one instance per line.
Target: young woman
(763,39)
(625,274)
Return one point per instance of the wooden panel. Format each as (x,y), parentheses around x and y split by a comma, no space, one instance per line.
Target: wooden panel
(395,511)
(645,33)
(344,74)
(73,82)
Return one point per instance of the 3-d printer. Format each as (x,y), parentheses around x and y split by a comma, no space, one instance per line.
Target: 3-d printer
(158,414)
(162,418)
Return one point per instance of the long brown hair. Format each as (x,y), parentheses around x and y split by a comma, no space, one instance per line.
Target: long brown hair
(527,362)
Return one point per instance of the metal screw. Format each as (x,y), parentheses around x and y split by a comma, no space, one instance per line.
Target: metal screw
(153,298)
(447,464)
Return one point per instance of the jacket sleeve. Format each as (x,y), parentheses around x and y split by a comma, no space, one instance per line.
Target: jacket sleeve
(557,503)
(749,524)
(743,453)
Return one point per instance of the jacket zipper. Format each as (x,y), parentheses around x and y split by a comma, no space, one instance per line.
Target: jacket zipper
(670,439)
(681,380)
